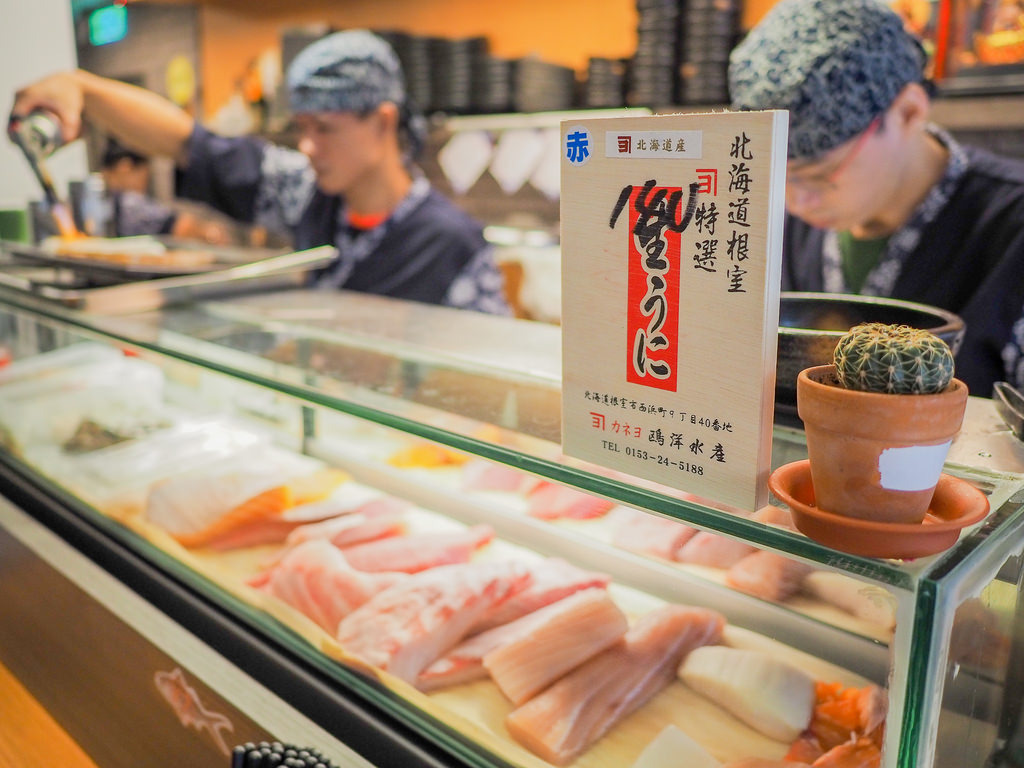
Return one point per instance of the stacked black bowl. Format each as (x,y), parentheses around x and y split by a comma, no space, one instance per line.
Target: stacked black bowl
(605,85)
(708,32)
(414,53)
(541,86)
(493,85)
(454,64)
(653,71)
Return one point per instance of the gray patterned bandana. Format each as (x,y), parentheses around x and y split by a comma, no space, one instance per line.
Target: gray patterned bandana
(834,64)
(351,71)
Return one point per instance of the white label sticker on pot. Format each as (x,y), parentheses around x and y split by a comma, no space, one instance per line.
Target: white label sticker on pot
(916,468)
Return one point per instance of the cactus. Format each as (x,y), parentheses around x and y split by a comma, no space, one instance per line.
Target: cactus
(895,359)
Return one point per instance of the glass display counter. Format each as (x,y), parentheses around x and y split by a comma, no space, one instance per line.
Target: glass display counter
(196,450)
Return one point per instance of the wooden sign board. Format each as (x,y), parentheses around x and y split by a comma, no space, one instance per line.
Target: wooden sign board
(671,260)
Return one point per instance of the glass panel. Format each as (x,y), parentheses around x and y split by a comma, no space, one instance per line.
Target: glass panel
(490,389)
(457,445)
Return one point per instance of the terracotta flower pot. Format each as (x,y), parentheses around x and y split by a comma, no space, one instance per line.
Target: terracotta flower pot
(876,456)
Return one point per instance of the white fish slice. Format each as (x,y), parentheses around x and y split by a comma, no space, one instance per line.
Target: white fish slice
(770,696)
(672,748)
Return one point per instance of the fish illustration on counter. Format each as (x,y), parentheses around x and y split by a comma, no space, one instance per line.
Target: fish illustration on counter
(190,710)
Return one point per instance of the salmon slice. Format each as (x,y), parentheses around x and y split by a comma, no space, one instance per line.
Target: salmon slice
(412,554)
(571,631)
(772,515)
(714,550)
(760,762)
(562,722)
(806,749)
(347,498)
(375,520)
(315,579)
(768,576)
(549,501)
(465,662)
(863,753)
(481,475)
(843,715)
(405,628)
(216,509)
(651,534)
(426,456)
(551,580)
(869,602)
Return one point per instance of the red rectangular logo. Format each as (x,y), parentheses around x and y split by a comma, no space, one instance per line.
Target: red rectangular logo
(652,314)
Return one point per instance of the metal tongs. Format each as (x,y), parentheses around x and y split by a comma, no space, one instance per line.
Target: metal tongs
(34,151)
(1009,403)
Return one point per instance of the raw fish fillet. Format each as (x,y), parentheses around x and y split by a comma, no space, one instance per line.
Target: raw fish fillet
(758,762)
(481,475)
(375,520)
(713,550)
(224,509)
(549,501)
(772,697)
(651,534)
(465,662)
(412,554)
(349,497)
(572,631)
(863,753)
(426,456)
(552,579)
(977,637)
(332,510)
(842,715)
(768,576)
(563,721)
(407,627)
(315,579)
(865,601)
(772,515)
(674,749)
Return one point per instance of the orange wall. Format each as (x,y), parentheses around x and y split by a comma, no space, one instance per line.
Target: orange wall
(234,32)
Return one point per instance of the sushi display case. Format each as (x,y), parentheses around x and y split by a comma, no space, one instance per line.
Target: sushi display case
(358,507)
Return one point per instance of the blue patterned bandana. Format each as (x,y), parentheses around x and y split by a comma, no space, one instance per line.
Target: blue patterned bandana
(834,64)
(352,71)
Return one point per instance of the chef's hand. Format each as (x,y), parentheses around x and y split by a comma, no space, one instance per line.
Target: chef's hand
(60,94)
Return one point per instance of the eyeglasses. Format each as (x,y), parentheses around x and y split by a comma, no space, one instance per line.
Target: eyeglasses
(826,182)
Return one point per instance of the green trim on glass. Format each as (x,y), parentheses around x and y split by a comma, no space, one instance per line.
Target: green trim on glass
(918,665)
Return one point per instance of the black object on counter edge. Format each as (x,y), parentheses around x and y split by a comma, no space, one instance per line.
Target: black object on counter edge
(274,754)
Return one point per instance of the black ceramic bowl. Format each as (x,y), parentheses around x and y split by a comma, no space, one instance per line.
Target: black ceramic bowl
(810,324)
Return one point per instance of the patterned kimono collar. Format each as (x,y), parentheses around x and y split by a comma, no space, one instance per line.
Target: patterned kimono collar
(881,280)
(355,246)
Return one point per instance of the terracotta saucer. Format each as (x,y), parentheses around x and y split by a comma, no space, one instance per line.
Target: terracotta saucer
(955,505)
